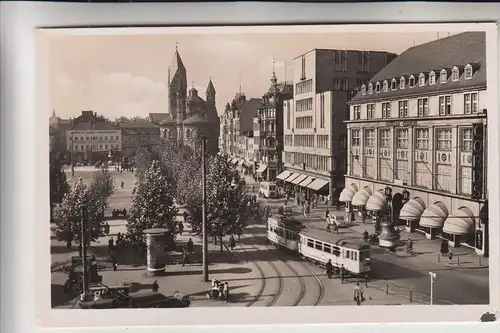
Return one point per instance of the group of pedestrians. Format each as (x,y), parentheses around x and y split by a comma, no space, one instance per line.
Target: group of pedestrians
(219,291)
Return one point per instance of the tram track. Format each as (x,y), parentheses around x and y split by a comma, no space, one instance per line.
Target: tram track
(321,286)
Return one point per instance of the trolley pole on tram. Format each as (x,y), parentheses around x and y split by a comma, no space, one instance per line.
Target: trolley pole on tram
(204,208)
(83,241)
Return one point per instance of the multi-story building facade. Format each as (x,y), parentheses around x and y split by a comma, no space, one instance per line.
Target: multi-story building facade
(269,135)
(57,130)
(417,142)
(138,134)
(315,137)
(93,138)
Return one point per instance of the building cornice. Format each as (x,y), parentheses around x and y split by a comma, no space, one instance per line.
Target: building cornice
(411,119)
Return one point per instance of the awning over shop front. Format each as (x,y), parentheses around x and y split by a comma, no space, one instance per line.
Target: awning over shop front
(412,210)
(348,192)
(261,169)
(460,222)
(377,202)
(306,181)
(434,215)
(318,184)
(361,197)
(292,177)
(299,179)
(283,175)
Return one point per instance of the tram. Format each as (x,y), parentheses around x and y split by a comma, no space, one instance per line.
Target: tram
(284,231)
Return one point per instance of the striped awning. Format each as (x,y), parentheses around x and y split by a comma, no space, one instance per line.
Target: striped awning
(283,175)
(361,197)
(377,202)
(412,210)
(348,192)
(307,181)
(434,215)
(460,222)
(261,168)
(299,179)
(292,177)
(318,184)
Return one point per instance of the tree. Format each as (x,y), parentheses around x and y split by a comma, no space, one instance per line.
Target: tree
(152,207)
(68,214)
(58,182)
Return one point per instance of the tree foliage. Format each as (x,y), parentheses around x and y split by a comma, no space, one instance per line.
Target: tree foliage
(152,206)
(58,182)
(94,198)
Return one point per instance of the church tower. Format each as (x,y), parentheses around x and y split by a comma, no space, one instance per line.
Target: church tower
(177,85)
(213,117)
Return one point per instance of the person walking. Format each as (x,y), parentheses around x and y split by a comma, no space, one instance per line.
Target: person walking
(232,242)
(155,287)
(111,245)
(450,257)
(342,274)
(226,292)
(304,210)
(185,257)
(329,268)
(180,227)
(358,294)
(190,246)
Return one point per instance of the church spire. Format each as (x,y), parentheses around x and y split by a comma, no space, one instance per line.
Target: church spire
(274,80)
(210,88)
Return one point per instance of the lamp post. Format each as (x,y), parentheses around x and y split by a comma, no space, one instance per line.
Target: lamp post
(433,277)
(83,241)
(204,208)
(388,237)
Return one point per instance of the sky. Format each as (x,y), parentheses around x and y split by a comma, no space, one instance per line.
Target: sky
(126,75)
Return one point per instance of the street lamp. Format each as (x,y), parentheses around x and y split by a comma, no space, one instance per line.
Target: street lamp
(388,236)
(204,208)
(433,277)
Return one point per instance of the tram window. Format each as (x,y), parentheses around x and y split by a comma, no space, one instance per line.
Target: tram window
(348,254)
(327,248)
(355,255)
(336,251)
(310,243)
(319,246)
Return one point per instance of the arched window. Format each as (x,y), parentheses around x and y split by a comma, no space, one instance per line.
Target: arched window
(377,87)
(421,79)
(165,131)
(468,72)
(455,74)
(394,84)
(402,82)
(370,88)
(432,78)
(386,85)
(412,81)
(363,89)
(443,77)
(188,133)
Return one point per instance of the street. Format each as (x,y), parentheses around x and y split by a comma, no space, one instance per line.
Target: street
(260,275)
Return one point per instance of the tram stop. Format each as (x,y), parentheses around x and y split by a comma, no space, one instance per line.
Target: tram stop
(156,255)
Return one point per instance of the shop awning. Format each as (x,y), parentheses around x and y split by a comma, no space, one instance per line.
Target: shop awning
(292,177)
(307,181)
(318,184)
(434,215)
(283,175)
(377,202)
(261,169)
(299,179)
(460,222)
(361,197)
(412,210)
(348,192)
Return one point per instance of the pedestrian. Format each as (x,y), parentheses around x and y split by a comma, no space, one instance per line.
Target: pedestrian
(114,263)
(185,257)
(304,210)
(226,292)
(329,268)
(342,274)
(327,213)
(155,287)
(111,244)
(450,257)
(185,216)
(190,246)
(122,184)
(232,242)
(358,294)
(180,226)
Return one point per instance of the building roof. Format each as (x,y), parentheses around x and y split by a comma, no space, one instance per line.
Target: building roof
(248,111)
(157,117)
(97,125)
(210,88)
(137,124)
(176,66)
(196,119)
(457,50)
(168,120)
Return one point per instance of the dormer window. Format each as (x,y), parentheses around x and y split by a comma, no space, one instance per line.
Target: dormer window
(412,81)
(421,80)
(455,74)
(394,84)
(370,88)
(468,72)
(385,86)
(377,87)
(363,89)
(432,78)
(402,83)
(443,76)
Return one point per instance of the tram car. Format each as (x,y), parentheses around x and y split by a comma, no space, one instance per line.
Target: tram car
(283,231)
(350,252)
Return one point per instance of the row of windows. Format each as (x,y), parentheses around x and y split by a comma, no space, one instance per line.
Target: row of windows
(267,113)
(304,122)
(341,84)
(423,80)
(301,140)
(304,87)
(443,138)
(77,147)
(311,161)
(93,138)
(336,251)
(322,110)
(439,178)
(288,140)
(322,141)
(471,106)
(304,104)
(340,60)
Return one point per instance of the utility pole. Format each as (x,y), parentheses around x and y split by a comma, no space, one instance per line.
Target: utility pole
(71,155)
(204,208)
(83,241)
(433,277)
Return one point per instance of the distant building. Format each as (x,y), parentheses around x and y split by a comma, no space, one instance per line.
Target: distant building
(92,138)
(418,130)
(137,134)
(315,137)
(57,130)
(190,117)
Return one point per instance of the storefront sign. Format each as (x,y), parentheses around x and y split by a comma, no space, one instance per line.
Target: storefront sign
(398,123)
(477,161)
